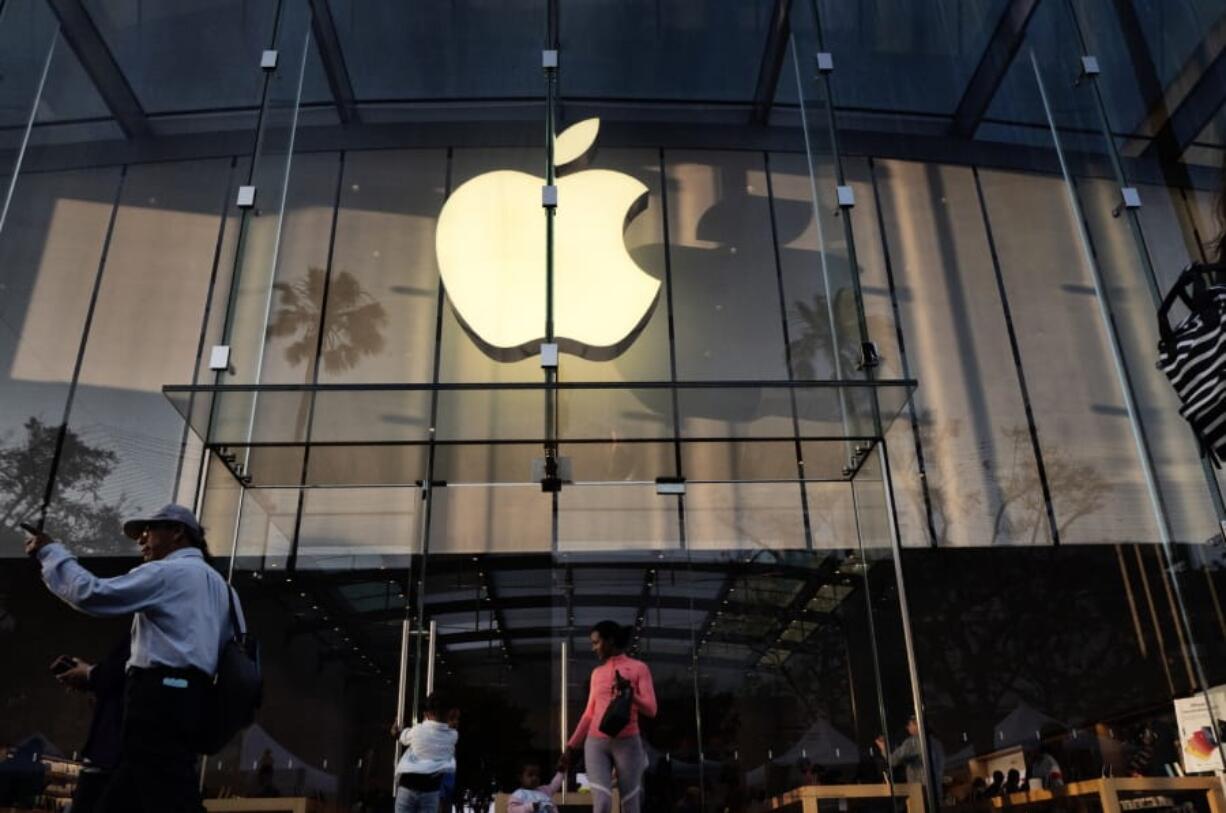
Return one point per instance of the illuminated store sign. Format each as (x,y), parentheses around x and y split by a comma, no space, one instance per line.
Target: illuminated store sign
(491,254)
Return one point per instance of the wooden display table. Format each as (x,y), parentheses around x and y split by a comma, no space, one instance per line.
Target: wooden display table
(808,795)
(573,799)
(276,804)
(1109,789)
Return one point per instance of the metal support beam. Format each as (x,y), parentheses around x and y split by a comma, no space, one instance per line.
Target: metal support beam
(99,63)
(323,31)
(993,65)
(1204,77)
(772,61)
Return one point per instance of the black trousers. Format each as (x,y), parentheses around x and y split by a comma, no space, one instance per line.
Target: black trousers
(158,757)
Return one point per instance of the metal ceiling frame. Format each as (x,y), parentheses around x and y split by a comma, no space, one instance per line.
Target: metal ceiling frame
(86,41)
(993,66)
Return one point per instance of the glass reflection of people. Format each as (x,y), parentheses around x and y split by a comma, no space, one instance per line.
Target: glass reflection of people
(1046,769)
(265,777)
(429,754)
(910,756)
(105,681)
(624,749)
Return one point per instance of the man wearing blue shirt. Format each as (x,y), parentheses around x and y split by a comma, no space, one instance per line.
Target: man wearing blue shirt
(181,609)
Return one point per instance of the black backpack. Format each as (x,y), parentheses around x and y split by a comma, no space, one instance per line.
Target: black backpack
(237,688)
(1193,355)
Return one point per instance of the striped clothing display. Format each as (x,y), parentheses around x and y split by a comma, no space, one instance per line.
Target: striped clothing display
(1193,356)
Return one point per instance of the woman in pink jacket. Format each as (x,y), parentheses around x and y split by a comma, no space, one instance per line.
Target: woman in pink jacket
(624,748)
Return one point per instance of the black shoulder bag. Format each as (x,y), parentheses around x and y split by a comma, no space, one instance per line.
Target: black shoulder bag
(617,715)
(1192,355)
(237,688)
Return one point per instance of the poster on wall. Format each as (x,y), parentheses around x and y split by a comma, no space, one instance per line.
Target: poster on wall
(1201,727)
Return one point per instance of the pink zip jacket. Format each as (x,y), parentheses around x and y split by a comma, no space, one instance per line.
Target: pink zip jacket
(601,694)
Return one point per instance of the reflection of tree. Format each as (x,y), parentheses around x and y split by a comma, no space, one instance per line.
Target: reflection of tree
(77,509)
(352,328)
(1045,626)
(1014,494)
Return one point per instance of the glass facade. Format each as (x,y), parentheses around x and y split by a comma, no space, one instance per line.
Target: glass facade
(884,436)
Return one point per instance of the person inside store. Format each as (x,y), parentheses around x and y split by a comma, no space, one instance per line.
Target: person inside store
(997,786)
(181,617)
(105,682)
(1044,767)
(429,755)
(1013,781)
(620,692)
(910,757)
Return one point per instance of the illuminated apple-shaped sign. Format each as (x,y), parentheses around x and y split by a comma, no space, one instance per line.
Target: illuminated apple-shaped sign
(490,243)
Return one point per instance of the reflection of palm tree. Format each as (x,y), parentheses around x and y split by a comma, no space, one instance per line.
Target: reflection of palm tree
(351,327)
(813,339)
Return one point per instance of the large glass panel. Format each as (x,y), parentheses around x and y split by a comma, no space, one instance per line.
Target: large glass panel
(407,52)
(28,36)
(51,250)
(982,481)
(707,52)
(906,58)
(190,56)
(725,289)
(146,329)
(383,289)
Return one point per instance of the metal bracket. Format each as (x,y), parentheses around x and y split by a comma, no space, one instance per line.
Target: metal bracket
(1089,66)
(1130,198)
(246,197)
(670,485)
(268,60)
(549,196)
(549,355)
(552,472)
(219,357)
(825,62)
(549,59)
(847,196)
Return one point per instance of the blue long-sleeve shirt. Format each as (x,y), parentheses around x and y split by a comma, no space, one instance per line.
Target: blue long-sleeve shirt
(181,605)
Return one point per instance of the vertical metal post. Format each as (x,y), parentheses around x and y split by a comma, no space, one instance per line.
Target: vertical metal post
(430,650)
(405,632)
(564,717)
(917,699)
(421,594)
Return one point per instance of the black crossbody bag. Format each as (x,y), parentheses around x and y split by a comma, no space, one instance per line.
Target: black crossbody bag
(235,693)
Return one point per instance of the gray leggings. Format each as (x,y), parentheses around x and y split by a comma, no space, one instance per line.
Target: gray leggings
(601,755)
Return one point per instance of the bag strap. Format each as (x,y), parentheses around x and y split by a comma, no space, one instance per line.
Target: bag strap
(239,630)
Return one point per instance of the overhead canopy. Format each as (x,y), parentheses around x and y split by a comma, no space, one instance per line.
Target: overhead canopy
(397,434)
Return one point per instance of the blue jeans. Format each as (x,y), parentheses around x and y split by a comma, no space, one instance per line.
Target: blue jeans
(416,801)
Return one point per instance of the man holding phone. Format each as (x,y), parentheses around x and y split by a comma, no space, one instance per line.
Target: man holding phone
(181,616)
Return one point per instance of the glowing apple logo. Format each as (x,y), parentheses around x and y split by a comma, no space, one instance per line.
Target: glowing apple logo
(490,243)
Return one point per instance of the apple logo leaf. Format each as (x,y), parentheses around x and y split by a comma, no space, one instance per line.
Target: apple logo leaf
(575,142)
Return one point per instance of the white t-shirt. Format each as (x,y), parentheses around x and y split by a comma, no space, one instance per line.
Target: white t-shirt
(429,748)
